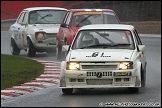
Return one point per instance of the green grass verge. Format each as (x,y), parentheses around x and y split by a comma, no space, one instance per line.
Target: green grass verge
(18,70)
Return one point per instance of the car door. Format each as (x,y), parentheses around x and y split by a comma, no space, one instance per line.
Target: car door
(60,32)
(21,29)
(66,31)
(24,29)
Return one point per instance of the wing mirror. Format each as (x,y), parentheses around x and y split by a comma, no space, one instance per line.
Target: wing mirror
(65,47)
(141,48)
(64,25)
(23,23)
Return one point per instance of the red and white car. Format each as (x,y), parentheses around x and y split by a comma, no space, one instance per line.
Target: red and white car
(76,18)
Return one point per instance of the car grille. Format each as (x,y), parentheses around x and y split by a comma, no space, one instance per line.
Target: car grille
(99,66)
(99,81)
(50,35)
(103,73)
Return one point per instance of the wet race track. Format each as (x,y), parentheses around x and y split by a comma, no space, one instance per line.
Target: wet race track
(52,96)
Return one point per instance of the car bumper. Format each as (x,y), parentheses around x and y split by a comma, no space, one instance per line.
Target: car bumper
(45,44)
(88,79)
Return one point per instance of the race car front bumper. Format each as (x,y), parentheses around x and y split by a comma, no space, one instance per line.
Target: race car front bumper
(100,79)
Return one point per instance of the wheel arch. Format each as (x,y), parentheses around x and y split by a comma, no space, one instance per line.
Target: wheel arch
(12,39)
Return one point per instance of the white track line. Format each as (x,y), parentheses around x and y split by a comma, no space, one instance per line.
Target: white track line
(15,91)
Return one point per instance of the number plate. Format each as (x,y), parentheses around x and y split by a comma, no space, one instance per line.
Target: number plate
(122,73)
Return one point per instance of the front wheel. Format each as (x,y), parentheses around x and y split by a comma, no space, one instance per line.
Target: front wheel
(59,53)
(67,90)
(31,51)
(133,89)
(14,49)
(58,50)
(143,78)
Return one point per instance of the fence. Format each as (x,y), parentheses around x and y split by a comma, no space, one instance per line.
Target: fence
(126,10)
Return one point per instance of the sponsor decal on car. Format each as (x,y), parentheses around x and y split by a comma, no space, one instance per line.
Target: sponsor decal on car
(122,73)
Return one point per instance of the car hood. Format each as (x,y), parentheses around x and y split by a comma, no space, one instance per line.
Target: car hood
(49,28)
(100,55)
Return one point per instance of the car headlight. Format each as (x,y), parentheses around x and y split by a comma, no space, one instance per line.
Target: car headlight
(40,36)
(125,65)
(73,66)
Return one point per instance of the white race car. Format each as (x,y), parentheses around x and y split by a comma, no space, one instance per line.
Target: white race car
(104,56)
(35,30)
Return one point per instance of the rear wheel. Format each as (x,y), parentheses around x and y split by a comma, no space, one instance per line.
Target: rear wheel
(67,90)
(14,49)
(31,51)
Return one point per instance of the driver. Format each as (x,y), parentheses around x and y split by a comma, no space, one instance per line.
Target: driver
(88,40)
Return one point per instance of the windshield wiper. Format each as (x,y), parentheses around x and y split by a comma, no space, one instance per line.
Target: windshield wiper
(98,45)
(103,45)
(119,44)
(48,15)
(83,20)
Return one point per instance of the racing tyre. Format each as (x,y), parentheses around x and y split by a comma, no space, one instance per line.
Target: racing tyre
(14,49)
(133,89)
(67,90)
(143,79)
(31,51)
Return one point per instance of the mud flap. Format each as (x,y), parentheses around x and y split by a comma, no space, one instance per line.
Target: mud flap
(138,81)
(138,77)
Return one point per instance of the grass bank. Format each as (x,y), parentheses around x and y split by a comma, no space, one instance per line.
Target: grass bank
(18,70)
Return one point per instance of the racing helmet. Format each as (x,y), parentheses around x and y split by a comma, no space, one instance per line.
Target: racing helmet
(88,40)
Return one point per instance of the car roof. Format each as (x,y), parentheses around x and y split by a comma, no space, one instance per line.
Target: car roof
(107,26)
(83,10)
(43,8)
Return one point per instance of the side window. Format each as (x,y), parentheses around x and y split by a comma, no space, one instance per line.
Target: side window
(20,19)
(137,37)
(25,19)
(68,18)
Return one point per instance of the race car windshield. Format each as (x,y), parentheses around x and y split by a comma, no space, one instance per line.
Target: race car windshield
(46,17)
(111,39)
(85,18)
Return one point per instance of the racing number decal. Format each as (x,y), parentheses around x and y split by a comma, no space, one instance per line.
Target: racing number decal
(102,54)
(95,54)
